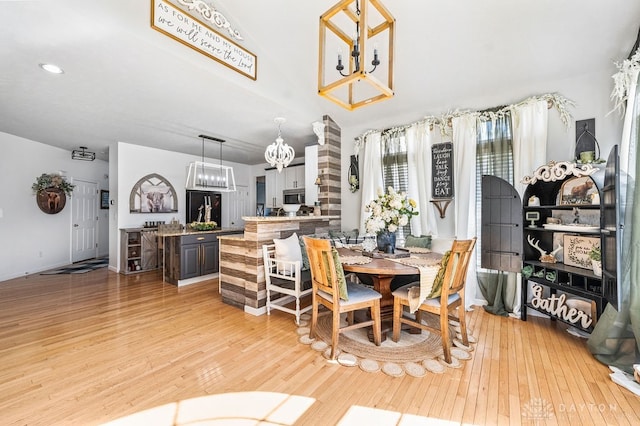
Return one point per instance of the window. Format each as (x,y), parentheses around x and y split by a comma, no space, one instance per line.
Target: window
(395,168)
(494,156)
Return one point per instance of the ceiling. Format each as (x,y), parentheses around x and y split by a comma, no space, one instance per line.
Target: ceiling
(126,82)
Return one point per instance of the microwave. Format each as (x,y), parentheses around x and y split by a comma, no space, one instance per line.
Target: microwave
(293,196)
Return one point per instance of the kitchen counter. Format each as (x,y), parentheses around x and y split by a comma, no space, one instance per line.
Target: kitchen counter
(285,218)
(194,232)
(242,282)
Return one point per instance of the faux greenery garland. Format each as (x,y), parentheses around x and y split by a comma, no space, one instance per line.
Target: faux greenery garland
(45,181)
(622,81)
(443,122)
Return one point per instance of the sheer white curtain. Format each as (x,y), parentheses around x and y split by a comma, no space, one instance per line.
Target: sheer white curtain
(464,157)
(529,130)
(529,140)
(616,337)
(419,141)
(371,173)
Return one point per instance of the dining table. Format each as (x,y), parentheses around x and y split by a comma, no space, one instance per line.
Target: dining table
(382,270)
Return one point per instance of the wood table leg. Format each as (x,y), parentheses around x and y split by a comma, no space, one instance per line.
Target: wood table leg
(382,284)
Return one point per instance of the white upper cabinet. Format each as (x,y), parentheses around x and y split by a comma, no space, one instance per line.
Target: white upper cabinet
(293,177)
(273,186)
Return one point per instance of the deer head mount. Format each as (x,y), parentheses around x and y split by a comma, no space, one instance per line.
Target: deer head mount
(544,256)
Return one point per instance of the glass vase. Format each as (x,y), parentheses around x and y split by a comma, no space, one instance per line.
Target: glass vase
(386,241)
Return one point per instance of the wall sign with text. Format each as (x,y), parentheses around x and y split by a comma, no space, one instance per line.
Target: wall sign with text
(442,170)
(184,28)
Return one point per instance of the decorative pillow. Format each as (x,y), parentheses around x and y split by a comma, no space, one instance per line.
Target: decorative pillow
(303,252)
(441,244)
(288,249)
(423,241)
(342,282)
(437,282)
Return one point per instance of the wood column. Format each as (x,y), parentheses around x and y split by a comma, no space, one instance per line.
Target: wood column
(329,168)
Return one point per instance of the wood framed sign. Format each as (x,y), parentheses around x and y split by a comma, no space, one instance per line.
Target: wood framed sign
(184,28)
(577,248)
(442,170)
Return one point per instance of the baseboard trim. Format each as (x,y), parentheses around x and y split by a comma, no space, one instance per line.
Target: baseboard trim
(255,311)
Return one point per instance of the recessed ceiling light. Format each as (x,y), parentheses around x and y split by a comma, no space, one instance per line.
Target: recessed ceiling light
(54,69)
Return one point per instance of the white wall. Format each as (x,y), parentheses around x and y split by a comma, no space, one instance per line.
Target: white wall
(590,92)
(30,240)
(135,162)
(30,231)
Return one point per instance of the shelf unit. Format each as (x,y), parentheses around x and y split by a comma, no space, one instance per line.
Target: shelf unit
(139,250)
(131,258)
(559,282)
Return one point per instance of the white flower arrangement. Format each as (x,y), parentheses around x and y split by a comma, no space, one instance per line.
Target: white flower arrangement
(389,211)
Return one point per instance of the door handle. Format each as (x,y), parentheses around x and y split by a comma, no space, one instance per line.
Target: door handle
(75,225)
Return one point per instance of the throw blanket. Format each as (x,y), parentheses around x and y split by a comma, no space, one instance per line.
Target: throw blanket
(428,275)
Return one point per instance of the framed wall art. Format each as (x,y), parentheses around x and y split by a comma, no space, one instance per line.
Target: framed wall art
(577,248)
(153,194)
(577,191)
(104,199)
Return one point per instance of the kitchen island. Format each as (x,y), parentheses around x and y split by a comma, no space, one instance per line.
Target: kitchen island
(192,256)
(242,281)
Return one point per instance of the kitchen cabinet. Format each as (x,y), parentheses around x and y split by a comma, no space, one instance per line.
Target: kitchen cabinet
(198,255)
(192,257)
(139,250)
(294,177)
(273,187)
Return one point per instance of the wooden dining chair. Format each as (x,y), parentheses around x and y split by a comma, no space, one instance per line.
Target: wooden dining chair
(451,298)
(331,290)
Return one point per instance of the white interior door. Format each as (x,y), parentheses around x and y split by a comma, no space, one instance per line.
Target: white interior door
(238,206)
(84,218)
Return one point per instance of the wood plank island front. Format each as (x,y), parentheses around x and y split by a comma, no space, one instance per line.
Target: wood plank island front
(242,281)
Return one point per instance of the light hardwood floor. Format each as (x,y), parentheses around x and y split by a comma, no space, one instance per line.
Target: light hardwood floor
(86,349)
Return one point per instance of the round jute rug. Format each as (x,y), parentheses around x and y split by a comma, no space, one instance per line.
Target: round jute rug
(413,354)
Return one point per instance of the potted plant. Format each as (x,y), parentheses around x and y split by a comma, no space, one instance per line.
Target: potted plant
(596,260)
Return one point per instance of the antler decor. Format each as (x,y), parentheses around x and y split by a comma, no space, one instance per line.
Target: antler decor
(544,256)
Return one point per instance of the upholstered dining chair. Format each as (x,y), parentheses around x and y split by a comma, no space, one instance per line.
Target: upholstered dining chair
(331,290)
(451,298)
